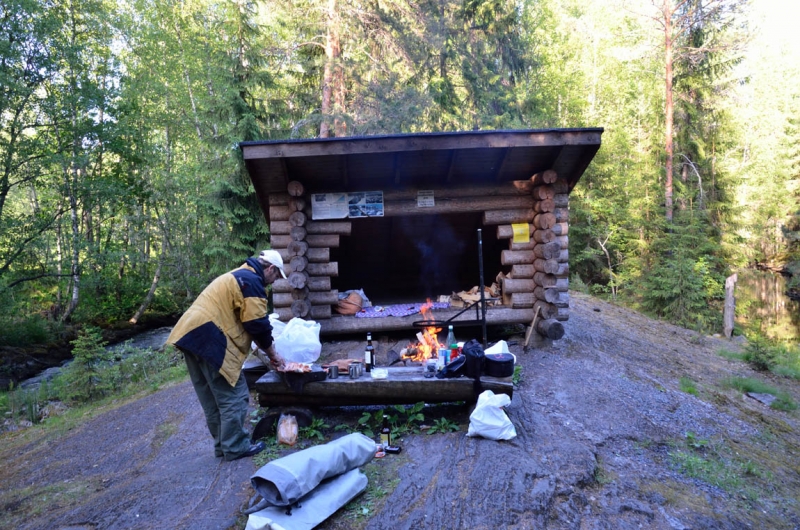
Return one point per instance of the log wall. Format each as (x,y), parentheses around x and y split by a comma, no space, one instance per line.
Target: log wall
(538,279)
(305,247)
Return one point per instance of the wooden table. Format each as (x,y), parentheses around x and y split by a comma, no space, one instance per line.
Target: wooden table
(404,385)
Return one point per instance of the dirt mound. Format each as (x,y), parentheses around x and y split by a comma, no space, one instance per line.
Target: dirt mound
(606,439)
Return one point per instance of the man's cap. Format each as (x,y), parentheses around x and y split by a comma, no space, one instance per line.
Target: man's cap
(273,257)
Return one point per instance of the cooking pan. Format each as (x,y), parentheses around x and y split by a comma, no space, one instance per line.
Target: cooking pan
(297,380)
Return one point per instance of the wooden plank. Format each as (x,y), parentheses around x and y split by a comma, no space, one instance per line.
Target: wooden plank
(403,385)
(456,205)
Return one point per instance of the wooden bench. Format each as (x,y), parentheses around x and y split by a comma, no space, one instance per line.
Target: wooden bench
(404,385)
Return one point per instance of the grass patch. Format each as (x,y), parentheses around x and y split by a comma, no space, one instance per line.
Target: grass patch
(732,355)
(688,386)
(782,402)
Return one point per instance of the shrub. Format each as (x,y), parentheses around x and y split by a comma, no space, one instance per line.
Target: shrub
(760,353)
(85,380)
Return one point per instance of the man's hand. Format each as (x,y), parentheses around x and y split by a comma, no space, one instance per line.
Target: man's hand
(276,361)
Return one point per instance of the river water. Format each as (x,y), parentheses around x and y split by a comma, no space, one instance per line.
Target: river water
(762,304)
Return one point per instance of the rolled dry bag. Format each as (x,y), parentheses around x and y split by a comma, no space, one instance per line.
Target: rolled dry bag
(284,481)
(499,364)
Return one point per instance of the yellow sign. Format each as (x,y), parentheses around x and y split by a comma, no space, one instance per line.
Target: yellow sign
(521,233)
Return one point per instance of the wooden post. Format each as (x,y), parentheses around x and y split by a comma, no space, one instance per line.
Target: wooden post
(729,311)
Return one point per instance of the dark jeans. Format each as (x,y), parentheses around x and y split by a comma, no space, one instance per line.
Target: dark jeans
(225,407)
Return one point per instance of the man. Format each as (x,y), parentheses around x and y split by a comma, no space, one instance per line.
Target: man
(215,334)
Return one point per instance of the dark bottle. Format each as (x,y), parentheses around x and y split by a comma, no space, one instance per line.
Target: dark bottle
(369,354)
(386,433)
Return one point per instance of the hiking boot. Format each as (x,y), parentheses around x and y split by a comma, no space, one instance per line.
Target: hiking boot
(254,450)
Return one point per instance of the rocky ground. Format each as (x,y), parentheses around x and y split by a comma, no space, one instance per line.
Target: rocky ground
(606,439)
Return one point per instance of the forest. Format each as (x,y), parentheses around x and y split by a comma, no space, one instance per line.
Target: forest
(122,186)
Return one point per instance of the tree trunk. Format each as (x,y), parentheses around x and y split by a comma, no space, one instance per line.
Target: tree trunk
(729,312)
(149,298)
(669,106)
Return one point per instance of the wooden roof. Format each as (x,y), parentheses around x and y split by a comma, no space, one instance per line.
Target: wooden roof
(417,160)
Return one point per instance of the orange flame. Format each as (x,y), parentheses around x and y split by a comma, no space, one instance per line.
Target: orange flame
(428,344)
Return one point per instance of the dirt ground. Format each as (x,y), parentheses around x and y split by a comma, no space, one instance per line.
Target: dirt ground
(606,439)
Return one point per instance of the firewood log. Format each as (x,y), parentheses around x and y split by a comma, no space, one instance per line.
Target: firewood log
(550,328)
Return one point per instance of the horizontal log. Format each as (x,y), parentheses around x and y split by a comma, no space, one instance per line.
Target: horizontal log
(301,308)
(314,255)
(562,215)
(522,271)
(504,217)
(544,221)
(319,312)
(297,204)
(562,300)
(551,296)
(561,186)
(562,314)
(313,283)
(459,192)
(530,245)
(546,311)
(298,280)
(280,227)
(323,269)
(279,213)
(545,205)
(563,256)
(515,257)
(561,200)
(544,280)
(560,229)
(297,248)
(548,176)
(563,242)
(314,298)
(284,313)
(323,240)
(548,266)
(342,228)
(546,250)
(507,231)
(456,205)
(300,294)
(520,300)
(298,263)
(278,199)
(563,270)
(298,233)
(550,328)
(514,285)
(280,240)
(295,189)
(541,193)
(403,385)
(543,236)
(297,219)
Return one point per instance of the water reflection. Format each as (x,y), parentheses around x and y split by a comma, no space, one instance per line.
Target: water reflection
(761,303)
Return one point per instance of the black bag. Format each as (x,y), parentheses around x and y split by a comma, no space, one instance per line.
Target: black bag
(453,369)
(473,352)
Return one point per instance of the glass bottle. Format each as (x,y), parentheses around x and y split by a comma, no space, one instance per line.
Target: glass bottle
(369,354)
(386,432)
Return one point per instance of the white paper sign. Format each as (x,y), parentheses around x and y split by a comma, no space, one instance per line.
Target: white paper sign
(425,199)
(329,206)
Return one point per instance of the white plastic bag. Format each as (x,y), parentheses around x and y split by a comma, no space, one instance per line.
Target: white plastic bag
(277,325)
(299,341)
(488,420)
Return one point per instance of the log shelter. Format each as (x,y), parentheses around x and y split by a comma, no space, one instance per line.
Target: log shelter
(417,238)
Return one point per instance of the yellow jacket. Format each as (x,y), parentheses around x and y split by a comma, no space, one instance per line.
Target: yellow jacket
(227,316)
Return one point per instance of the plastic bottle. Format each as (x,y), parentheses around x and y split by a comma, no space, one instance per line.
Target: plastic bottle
(452,343)
(369,354)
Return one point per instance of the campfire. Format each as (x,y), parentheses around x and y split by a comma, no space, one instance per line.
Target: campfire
(427,345)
